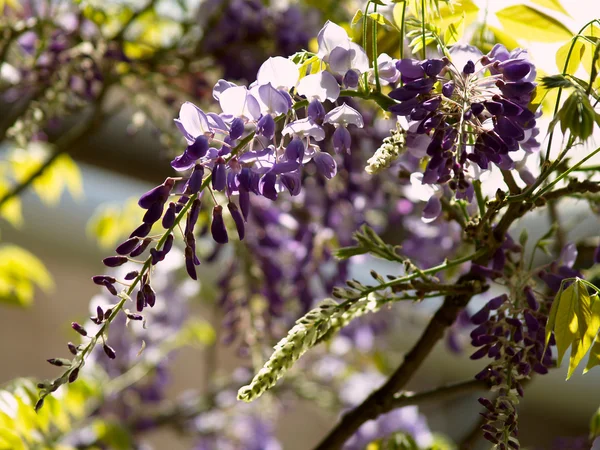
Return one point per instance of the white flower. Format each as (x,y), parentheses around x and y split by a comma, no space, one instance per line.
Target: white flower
(280,72)
(342,59)
(304,128)
(238,102)
(270,100)
(322,86)
(344,115)
(330,37)
(192,122)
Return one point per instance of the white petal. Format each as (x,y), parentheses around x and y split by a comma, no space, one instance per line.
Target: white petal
(279,71)
(238,102)
(193,120)
(220,87)
(344,115)
(270,100)
(322,86)
(330,37)
(360,60)
(303,128)
(343,59)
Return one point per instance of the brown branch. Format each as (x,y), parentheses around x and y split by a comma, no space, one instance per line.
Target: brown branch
(380,400)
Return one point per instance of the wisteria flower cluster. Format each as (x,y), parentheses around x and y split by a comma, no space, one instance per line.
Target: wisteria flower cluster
(293,171)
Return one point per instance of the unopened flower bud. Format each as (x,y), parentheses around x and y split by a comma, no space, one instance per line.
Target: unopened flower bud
(114,261)
(126,247)
(78,328)
(110,352)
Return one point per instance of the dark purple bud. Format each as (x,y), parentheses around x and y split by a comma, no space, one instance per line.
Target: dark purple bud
(539,368)
(448,89)
(141,231)
(351,78)
(193,214)
(404,108)
(110,352)
(483,271)
(126,247)
(481,316)
(518,335)
(156,255)
(237,218)
(341,140)
(480,330)
(266,126)
(477,108)
(72,348)
(219,175)
(169,217)
(101,279)
(267,185)
(159,194)
(217,228)
(484,339)
(433,67)
(99,314)
(499,260)
(79,328)
(401,94)
(189,263)
(410,68)
(132,316)
(494,108)
(140,248)
(295,150)
(531,301)
(245,202)
(494,350)
(198,149)
(114,261)
(514,69)
(432,104)
(483,351)
(140,301)
(316,111)
(597,255)
(532,324)
(168,244)
(469,68)
(73,375)
(236,129)
(292,182)
(515,90)
(497,302)
(523,368)
(487,404)
(195,182)
(59,362)
(154,213)
(149,295)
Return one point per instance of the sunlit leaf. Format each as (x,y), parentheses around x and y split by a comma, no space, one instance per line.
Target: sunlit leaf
(551,4)
(111,223)
(455,31)
(594,358)
(525,22)
(595,425)
(383,21)
(20,272)
(574,56)
(566,320)
(588,315)
(466,10)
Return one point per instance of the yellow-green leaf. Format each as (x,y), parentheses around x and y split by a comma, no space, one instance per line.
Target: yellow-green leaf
(551,4)
(383,21)
(452,14)
(594,357)
(20,271)
(357,17)
(525,22)
(454,31)
(566,328)
(574,56)
(588,315)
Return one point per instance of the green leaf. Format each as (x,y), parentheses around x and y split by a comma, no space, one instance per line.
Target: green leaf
(575,56)
(588,316)
(455,31)
(504,38)
(382,20)
(551,4)
(594,358)
(357,17)
(20,272)
(523,21)
(453,14)
(566,320)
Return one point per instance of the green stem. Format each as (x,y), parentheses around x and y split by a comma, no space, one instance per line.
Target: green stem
(374,47)
(423,29)
(479,195)
(402,30)
(364,42)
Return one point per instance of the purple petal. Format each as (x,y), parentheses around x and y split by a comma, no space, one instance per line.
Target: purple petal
(326,165)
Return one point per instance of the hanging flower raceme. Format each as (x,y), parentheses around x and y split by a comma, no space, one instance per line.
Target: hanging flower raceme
(469,108)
